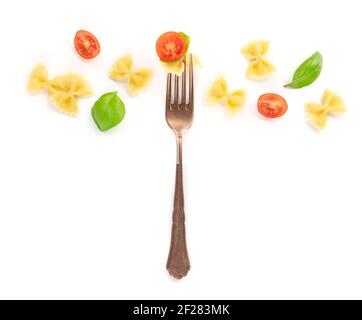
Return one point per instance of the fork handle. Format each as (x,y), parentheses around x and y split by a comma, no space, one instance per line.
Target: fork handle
(178,264)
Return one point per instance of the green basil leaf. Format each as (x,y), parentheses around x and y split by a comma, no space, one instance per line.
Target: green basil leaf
(187,39)
(307,72)
(108,111)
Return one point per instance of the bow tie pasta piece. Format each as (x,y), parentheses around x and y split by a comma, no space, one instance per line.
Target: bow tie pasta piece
(218,93)
(317,114)
(62,90)
(136,80)
(38,79)
(259,67)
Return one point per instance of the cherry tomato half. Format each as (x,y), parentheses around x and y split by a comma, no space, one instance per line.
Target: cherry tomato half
(171,46)
(272,105)
(86,44)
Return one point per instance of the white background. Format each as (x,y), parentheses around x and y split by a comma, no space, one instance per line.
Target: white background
(273,207)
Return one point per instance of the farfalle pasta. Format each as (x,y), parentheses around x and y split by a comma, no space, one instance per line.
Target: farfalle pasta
(259,67)
(219,93)
(317,113)
(136,80)
(63,90)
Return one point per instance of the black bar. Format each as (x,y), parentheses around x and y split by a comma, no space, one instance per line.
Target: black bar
(182,309)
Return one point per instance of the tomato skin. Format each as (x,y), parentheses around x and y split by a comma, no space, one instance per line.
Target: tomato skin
(171,46)
(86,44)
(272,105)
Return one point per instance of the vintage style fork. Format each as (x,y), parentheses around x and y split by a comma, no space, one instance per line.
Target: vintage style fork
(179,116)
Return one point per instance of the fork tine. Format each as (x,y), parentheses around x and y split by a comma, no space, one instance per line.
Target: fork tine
(191,84)
(184,76)
(168,91)
(176,90)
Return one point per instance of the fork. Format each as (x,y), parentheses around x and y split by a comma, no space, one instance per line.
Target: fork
(179,116)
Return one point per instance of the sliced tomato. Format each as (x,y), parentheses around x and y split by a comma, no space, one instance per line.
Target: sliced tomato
(272,105)
(86,44)
(171,46)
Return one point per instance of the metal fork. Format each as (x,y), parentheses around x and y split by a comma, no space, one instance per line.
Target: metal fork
(179,116)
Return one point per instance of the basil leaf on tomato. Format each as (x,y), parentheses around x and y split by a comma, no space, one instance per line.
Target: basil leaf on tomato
(187,39)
